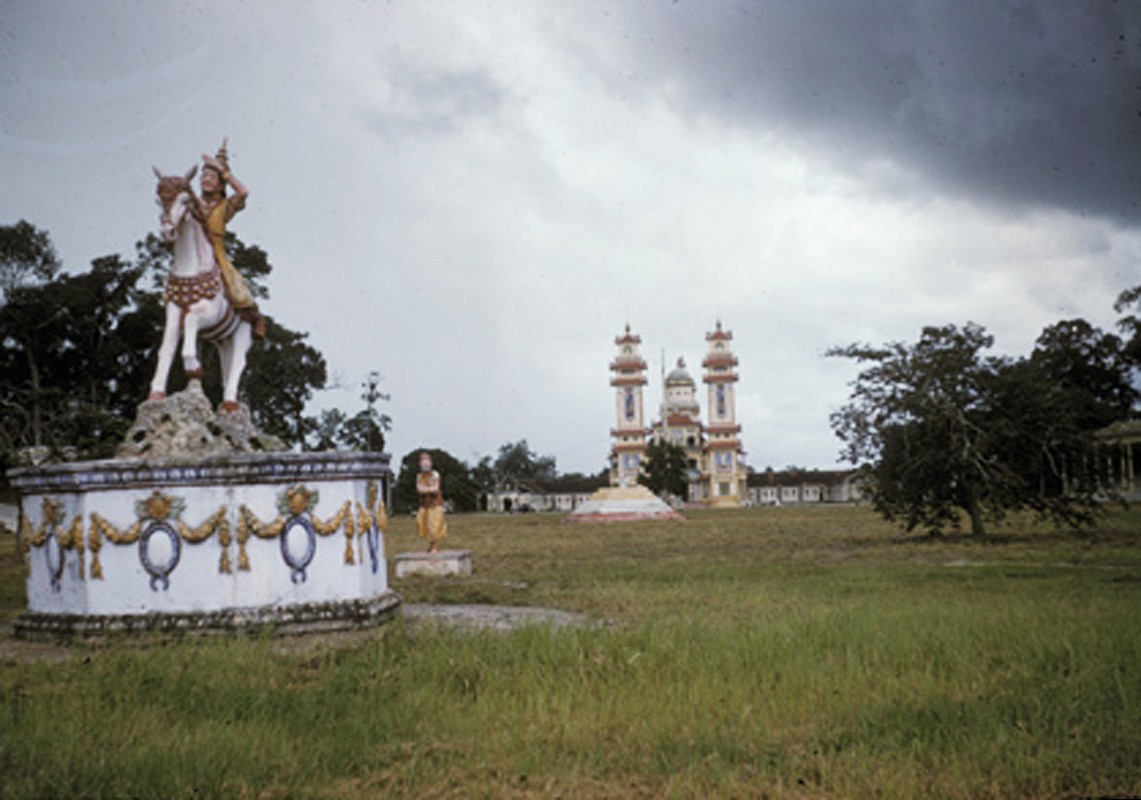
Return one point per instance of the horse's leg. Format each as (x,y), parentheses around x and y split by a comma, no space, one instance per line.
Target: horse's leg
(225,348)
(190,327)
(234,351)
(166,350)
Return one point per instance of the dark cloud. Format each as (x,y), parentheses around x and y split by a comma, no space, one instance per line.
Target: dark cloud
(1022,103)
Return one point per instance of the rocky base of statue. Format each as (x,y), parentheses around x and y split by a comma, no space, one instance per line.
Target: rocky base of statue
(185,424)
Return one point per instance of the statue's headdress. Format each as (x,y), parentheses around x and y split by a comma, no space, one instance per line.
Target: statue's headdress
(223,155)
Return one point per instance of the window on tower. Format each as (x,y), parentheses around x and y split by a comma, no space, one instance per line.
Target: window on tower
(629,404)
(720,399)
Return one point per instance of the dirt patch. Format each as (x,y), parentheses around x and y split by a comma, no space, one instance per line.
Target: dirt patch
(494,618)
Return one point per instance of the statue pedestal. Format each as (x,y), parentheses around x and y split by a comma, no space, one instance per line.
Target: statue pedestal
(445,562)
(285,541)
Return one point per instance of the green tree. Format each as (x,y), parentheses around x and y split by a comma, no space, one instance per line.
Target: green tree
(364,431)
(938,428)
(27,257)
(1047,410)
(1089,372)
(282,372)
(518,462)
(456,482)
(73,371)
(327,430)
(1130,324)
(664,469)
(483,474)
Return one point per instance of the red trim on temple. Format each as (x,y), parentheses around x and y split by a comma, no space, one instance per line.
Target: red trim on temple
(729,378)
(724,336)
(627,363)
(720,360)
(723,444)
(627,337)
(628,380)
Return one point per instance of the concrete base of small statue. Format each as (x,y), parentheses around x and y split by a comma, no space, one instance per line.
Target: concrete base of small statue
(434,565)
(280,540)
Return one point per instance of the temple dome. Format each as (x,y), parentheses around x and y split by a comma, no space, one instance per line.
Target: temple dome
(678,376)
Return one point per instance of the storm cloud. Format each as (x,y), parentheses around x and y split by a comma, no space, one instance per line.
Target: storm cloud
(1016,103)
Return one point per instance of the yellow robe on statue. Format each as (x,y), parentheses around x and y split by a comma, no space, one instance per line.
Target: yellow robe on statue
(237,291)
(430,522)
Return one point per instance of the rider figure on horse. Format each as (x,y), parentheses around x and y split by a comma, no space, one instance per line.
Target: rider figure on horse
(214,210)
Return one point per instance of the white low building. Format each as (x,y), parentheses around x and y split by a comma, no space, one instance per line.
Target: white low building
(562,494)
(799,487)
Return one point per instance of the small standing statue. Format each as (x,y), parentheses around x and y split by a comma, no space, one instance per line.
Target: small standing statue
(430,522)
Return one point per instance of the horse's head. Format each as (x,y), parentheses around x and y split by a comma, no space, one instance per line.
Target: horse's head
(174,197)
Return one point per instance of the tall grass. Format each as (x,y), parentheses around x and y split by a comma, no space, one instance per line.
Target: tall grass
(782,653)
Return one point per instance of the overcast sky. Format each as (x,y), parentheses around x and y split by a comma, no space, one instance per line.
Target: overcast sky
(474,198)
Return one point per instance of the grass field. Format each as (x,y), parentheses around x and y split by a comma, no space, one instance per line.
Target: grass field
(786,652)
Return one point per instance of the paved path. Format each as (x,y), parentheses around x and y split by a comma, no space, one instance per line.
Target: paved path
(496,618)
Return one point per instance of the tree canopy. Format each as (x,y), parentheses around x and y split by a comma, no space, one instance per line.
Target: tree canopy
(518,462)
(27,257)
(940,428)
(664,469)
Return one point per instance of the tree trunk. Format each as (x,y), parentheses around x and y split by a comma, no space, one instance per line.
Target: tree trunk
(978,527)
(37,413)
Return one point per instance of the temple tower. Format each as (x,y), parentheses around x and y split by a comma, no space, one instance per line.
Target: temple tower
(725,465)
(628,376)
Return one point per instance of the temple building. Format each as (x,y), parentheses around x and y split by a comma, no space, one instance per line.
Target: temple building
(629,437)
(716,470)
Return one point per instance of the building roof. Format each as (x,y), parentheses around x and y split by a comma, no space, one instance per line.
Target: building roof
(719,334)
(1126,430)
(678,376)
(798,477)
(628,337)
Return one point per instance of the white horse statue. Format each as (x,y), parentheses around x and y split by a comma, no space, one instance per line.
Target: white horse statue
(195,301)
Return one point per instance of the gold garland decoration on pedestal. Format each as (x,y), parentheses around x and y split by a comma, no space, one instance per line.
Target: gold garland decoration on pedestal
(156,508)
(364,524)
(28,537)
(367,517)
(247,524)
(215,522)
(102,529)
(342,517)
(295,500)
